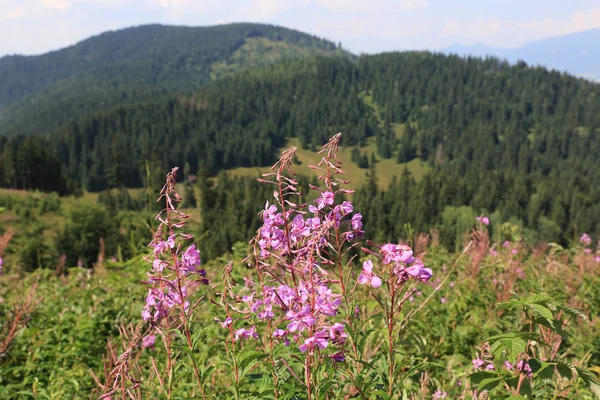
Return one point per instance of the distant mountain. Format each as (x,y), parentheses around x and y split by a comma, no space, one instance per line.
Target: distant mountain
(39,93)
(576,53)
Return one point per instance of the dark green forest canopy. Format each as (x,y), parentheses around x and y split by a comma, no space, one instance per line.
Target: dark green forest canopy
(515,140)
(40,93)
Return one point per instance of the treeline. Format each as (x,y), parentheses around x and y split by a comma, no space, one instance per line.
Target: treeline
(235,123)
(513,140)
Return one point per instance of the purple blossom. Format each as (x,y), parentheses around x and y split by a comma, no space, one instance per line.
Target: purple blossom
(336,333)
(439,395)
(171,241)
(338,357)
(158,265)
(244,333)
(282,334)
(397,253)
(356,222)
(520,367)
(483,219)
(226,323)
(347,207)
(585,239)
(191,259)
(326,199)
(367,276)
(419,272)
(314,341)
(148,341)
(478,363)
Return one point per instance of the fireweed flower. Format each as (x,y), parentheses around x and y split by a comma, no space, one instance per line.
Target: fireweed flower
(313,342)
(244,333)
(282,334)
(483,219)
(367,276)
(226,323)
(301,282)
(585,239)
(148,341)
(174,274)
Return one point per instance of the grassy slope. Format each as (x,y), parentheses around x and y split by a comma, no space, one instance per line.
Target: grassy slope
(386,168)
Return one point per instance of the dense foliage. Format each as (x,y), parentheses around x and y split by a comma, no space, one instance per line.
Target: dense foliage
(452,342)
(40,93)
(511,140)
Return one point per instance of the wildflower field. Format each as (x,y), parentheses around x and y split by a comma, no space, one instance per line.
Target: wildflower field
(309,307)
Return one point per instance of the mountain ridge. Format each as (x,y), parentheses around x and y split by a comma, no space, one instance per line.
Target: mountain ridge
(40,93)
(576,53)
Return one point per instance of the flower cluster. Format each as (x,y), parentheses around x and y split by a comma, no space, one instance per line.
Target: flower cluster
(521,367)
(306,299)
(403,266)
(483,220)
(478,363)
(585,240)
(303,280)
(174,273)
(280,233)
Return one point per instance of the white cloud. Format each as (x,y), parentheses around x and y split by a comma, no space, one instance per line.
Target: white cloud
(414,4)
(578,21)
(57,4)
(372,6)
(260,10)
(513,33)
(172,3)
(14,13)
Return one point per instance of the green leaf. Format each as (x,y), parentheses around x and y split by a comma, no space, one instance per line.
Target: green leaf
(546,371)
(514,346)
(489,383)
(564,370)
(588,378)
(573,312)
(542,311)
(538,299)
(479,376)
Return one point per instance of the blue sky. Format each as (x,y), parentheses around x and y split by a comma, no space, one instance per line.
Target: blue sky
(37,26)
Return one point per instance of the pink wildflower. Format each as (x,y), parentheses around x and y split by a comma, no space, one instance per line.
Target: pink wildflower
(148,341)
(483,219)
(585,239)
(244,333)
(367,276)
(226,323)
(314,341)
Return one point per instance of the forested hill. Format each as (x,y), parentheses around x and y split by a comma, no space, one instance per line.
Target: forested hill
(518,141)
(40,93)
